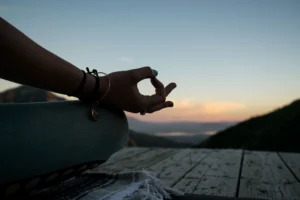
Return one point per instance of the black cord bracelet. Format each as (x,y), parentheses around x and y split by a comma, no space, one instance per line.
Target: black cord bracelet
(94,97)
(96,92)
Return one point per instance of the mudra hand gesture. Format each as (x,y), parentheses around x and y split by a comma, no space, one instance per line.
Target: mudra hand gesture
(123,92)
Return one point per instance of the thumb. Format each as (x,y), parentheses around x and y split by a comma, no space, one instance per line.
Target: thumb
(142,73)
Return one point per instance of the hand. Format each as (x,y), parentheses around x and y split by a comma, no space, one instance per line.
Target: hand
(124,93)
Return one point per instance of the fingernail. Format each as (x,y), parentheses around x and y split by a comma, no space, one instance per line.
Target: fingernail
(154,72)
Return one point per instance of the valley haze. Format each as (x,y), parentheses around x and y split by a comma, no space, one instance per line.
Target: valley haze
(163,128)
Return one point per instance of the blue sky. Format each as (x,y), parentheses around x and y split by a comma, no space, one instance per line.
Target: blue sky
(240,56)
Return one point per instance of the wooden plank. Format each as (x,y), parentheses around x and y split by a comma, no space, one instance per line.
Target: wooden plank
(293,161)
(256,189)
(264,175)
(209,185)
(187,185)
(222,163)
(138,162)
(265,166)
(217,174)
(175,167)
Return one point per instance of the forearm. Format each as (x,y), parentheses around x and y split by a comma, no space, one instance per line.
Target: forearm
(25,62)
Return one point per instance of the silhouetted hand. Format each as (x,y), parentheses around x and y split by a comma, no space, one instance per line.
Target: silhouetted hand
(124,93)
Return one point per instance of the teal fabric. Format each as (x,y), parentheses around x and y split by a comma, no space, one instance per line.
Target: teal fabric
(38,138)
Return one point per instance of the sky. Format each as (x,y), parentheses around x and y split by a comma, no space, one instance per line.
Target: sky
(231,59)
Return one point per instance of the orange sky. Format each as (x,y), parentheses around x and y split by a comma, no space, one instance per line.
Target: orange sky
(186,110)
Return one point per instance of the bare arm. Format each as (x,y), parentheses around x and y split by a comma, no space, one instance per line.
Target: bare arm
(23,61)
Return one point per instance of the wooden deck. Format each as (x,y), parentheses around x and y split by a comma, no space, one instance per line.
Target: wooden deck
(232,173)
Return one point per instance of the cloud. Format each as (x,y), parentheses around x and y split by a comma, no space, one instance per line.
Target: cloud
(126,59)
(222,107)
(189,110)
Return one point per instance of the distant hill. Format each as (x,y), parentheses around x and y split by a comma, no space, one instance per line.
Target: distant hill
(187,127)
(24,94)
(150,140)
(276,131)
(171,134)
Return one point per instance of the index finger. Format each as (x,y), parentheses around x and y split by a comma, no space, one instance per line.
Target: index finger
(159,87)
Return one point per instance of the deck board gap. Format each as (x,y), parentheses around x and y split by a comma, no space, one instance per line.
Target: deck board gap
(288,167)
(189,170)
(240,174)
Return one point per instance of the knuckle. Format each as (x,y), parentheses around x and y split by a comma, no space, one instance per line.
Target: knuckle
(163,99)
(147,69)
(134,74)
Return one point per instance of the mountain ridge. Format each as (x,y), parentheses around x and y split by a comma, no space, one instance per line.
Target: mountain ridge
(180,126)
(276,131)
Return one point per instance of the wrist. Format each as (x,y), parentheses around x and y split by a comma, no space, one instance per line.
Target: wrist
(94,88)
(90,85)
(88,88)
